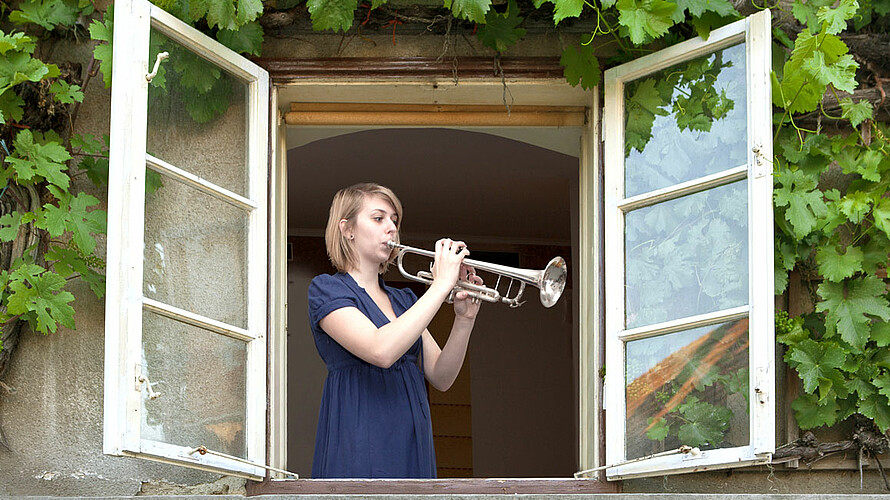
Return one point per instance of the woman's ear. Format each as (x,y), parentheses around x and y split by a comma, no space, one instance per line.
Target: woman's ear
(344,228)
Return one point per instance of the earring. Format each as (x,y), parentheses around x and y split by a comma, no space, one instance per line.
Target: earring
(351,237)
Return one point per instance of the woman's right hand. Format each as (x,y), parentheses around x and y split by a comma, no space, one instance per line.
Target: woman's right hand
(446,267)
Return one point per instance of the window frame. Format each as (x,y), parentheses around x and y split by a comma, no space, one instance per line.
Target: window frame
(755,31)
(125,302)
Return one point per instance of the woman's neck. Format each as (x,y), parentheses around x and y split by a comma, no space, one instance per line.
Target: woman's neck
(366,277)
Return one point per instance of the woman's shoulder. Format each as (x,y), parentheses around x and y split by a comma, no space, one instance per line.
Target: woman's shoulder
(405,295)
(329,284)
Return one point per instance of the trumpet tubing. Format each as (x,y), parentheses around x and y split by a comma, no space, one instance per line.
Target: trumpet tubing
(550,281)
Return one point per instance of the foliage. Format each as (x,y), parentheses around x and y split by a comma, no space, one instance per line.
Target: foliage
(60,233)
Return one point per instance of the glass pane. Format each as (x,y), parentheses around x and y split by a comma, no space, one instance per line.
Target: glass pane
(196,253)
(688,388)
(687,256)
(197,117)
(686,122)
(201,378)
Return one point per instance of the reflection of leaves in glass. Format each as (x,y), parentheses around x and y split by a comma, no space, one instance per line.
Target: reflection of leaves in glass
(686,121)
(705,423)
(189,81)
(687,256)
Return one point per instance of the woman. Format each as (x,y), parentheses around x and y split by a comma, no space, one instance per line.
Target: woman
(374,419)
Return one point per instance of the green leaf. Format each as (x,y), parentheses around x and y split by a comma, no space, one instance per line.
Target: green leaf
(580,66)
(46,13)
(471,10)
(566,8)
(697,8)
(502,31)
(877,408)
(32,160)
(855,206)
(835,266)
(247,11)
(248,39)
(18,67)
(805,204)
(71,214)
(882,215)
(86,143)
(9,226)
(333,15)
(834,19)
(11,107)
(856,113)
(849,307)
(816,362)
(645,19)
(880,333)
(68,262)
(38,291)
(102,32)
(66,93)
(811,413)
(96,169)
(882,382)
(864,162)
(841,73)
(17,41)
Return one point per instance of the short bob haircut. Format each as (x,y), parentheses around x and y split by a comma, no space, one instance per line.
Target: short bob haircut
(346,205)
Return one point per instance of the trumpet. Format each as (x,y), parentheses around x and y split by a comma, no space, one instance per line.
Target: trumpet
(550,281)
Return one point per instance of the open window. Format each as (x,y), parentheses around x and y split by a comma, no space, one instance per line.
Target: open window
(688,240)
(186,318)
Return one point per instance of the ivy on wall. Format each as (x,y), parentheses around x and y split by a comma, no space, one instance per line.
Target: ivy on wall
(832,172)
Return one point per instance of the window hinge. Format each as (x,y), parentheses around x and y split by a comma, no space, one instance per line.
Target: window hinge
(154,72)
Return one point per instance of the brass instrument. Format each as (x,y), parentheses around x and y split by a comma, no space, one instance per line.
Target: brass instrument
(551,280)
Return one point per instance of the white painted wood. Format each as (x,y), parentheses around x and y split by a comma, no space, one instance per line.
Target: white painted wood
(278,295)
(760,229)
(197,320)
(673,464)
(677,325)
(203,185)
(181,455)
(126,191)
(755,31)
(124,300)
(683,189)
(589,296)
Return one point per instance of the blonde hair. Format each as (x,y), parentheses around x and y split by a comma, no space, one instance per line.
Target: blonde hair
(346,205)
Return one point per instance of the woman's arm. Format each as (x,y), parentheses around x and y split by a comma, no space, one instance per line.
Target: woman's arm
(385,345)
(441,367)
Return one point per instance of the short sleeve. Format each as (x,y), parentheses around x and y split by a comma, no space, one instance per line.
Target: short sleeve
(327,294)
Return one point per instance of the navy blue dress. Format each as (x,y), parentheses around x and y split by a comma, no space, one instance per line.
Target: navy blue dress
(373,422)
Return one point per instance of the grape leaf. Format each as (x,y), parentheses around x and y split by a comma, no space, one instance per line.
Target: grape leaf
(32,160)
(855,206)
(811,413)
(805,203)
(849,307)
(880,333)
(471,10)
(706,423)
(580,66)
(856,113)
(9,226)
(645,19)
(882,215)
(11,106)
(333,15)
(17,41)
(877,408)
(102,31)
(66,93)
(566,8)
(835,266)
(46,13)
(816,361)
(840,73)
(501,31)
(66,262)
(248,39)
(834,19)
(659,430)
(38,291)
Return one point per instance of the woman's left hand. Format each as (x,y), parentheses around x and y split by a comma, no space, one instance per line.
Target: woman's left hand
(465,306)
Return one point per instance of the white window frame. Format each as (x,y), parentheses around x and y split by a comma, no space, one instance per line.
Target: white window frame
(755,31)
(125,302)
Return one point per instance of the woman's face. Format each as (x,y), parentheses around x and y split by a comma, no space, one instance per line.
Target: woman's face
(375,225)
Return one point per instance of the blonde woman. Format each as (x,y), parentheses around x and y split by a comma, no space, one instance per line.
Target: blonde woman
(374,419)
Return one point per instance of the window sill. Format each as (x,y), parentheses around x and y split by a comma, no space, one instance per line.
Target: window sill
(431,486)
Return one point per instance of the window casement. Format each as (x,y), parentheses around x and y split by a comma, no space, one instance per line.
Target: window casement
(690,372)
(186,318)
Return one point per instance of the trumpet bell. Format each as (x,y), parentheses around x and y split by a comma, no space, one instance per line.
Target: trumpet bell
(553,281)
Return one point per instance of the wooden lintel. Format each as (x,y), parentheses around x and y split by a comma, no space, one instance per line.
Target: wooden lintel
(433,115)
